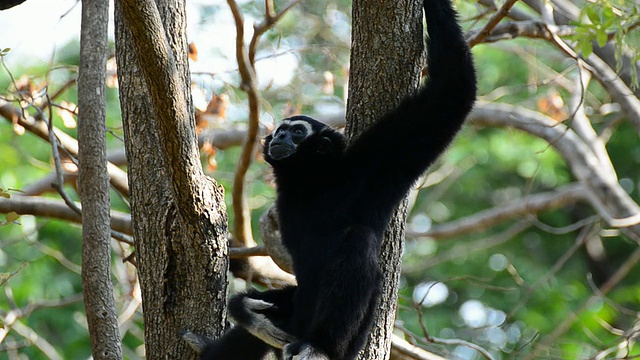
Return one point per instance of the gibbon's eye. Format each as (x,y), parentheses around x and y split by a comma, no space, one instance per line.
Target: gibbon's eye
(297,130)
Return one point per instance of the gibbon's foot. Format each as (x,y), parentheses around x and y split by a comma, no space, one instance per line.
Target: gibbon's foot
(303,351)
(196,341)
(262,327)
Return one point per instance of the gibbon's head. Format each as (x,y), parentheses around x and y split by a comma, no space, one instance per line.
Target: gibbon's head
(303,138)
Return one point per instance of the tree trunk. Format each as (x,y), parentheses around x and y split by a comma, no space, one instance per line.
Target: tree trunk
(179,216)
(386,59)
(93,184)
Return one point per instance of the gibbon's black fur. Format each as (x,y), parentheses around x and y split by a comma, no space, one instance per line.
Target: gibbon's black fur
(334,204)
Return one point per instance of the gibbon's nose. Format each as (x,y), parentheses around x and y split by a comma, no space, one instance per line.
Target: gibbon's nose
(282,136)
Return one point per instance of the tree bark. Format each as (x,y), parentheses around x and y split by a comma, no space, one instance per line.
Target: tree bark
(179,217)
(386,58)
(93,183)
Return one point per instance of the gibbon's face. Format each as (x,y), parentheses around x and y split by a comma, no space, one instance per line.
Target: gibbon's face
(289,135)
(284,142)
(306,138)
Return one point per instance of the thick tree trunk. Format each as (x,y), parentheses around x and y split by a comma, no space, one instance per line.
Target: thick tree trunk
(93,184)
(179,217)
(386,59)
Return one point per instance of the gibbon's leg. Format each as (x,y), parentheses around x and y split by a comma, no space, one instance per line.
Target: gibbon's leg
(238,343)
(363,333)
(349,286)
(265,314)
(257,334)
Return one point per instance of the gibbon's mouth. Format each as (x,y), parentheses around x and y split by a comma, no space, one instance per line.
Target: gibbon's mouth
(280,151)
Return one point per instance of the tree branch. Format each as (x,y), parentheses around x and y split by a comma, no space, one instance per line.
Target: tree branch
(533,29)
(269,20)
(514,14)
(619,91)
(486,219)
(495,19)
(611,283)
(118,177)
(57,209)
(403,350)
(606,195)
(246,66)
(242,233)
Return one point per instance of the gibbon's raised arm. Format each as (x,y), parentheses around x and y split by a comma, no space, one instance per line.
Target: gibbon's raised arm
(405,142)
(334,202)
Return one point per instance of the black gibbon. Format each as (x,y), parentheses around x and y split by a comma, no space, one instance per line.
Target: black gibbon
(334,202)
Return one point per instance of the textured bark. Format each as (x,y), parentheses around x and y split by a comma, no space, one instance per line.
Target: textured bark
(386,58)
(179,217)
(93,183)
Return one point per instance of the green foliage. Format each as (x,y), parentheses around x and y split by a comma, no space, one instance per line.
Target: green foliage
(604,20)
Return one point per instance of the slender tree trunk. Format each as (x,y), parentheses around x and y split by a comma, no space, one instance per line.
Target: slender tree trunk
(93,183)
(386,59)
(179,217)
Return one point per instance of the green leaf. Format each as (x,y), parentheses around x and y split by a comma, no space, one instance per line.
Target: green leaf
(602,38)
(586,49)
(608,15)
(12,216)
(593,15)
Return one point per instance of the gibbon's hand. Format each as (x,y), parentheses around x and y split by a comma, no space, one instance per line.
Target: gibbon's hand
(303,351)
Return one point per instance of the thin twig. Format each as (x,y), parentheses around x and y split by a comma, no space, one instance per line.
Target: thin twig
(436,340)
(268,22)
(242,224)
(586,232)
(59,183)
(612,282)
(492,23)
(241,252)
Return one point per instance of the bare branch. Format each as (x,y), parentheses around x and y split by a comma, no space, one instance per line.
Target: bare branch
(467,248)
(118,177)
(11,320)
(269,21)
(246,66)
(619,91)
(606,195)
(435,340)
(495,19)
(39,206)
(534,29)
(236,253)
(403,350)
(40,342)
(611,283)
(514,14)
(586,232)
(242,233)
(488,218)
(59,183)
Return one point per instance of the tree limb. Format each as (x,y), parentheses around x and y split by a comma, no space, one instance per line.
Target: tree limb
(488,218)
(57,209)
(533,29)
(118,177)
(495,19)
(606,195)
(242,233)
(619,91)
(611,283)
(403,350)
